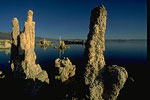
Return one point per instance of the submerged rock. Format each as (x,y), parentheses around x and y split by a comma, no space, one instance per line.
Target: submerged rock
(66,69)
(95,69)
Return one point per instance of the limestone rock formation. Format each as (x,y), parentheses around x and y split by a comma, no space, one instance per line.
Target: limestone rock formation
(23,56)
(44,43)
(99,86)
(5,44)
(95,45)
(114,80)
(62,45)
(2,75)
(66,69)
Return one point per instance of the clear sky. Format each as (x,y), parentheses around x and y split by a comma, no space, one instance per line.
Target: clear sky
(127,19)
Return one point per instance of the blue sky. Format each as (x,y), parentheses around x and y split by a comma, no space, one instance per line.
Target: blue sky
(127,19)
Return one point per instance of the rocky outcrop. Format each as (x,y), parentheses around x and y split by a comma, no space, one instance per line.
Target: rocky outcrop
(62,45)
(95,70)
(5,44)
(2,75)
(95,45)
(23,56)
(44,43)
(114,80)
(66,69)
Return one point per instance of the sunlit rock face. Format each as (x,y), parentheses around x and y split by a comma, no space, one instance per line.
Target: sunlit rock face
(104,82)
(95,45)
(66,69)
(16,31)
(23,56)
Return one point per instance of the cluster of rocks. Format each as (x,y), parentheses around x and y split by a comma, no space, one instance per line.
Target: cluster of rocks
(5,44)
(44,43)
(66,69)
(62,45)
(104,82)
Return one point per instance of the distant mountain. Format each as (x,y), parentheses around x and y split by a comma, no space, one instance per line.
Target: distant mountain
(126,40)
(73,39)
(41,38)
(5,36)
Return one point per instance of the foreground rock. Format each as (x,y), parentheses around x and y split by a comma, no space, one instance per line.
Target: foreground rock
(95,45)
(23,56)
(66,69)
(2,75)
(94,75)
(114,80)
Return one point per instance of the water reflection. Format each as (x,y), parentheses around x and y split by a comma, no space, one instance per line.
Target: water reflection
(6,51)
(61,51)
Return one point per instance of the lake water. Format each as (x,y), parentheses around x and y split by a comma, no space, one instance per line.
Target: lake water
(123,53)
(130,54)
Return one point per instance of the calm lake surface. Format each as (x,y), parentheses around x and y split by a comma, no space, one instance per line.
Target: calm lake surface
(130,54)
(123,53)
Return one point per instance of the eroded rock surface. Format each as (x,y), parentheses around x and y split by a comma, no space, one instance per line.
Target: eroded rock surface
(114,80)
(23,56)
(95,45)
(2,75)
(66,69)
(95,72)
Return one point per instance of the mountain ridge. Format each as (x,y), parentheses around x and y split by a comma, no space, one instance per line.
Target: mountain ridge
(7,36)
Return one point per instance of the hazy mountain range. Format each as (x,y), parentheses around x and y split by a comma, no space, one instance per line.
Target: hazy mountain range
(7,36)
